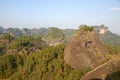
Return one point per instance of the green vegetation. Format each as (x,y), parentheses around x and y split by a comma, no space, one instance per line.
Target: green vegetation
(110,38)
(113,50)
(25,41)
(84,28)
(114,76)
(53,33)
(68,33)
(42,64)
(21,42)
(24,44)
(5,39)
(2,49)
(9,65)
(6,36)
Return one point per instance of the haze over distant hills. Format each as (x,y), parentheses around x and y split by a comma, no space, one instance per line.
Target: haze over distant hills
(118,34)
(87,53)
(103,32)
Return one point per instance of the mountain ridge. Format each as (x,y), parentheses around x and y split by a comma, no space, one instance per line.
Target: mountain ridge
(84,48)
(107,37)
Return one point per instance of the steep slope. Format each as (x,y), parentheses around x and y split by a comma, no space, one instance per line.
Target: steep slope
(54,36)
(102,72)
(85,49)
(102,31)
(110,38)
(68,33)
(107,37)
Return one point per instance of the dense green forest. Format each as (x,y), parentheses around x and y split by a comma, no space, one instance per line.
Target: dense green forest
(30,58)
(42,64)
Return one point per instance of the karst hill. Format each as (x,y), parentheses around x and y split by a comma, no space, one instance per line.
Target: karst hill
(54,36)
(85,49)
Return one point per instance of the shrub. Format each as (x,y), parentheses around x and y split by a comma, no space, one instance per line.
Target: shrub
(84,28)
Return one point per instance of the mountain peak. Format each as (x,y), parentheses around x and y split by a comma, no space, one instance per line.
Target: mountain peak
(103,30)
(85,50)
(54,36)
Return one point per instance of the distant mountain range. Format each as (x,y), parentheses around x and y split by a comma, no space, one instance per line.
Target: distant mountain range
(103,32)
(64,54)
(107,37)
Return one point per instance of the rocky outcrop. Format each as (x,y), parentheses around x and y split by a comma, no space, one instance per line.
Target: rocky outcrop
(103,30)
(54,36)
(85,50)
(102,71)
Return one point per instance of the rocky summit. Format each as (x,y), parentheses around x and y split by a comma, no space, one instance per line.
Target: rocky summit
(85,49)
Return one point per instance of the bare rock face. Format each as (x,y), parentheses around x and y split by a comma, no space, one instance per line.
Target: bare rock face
(85,50)
(102,30)
(103,71)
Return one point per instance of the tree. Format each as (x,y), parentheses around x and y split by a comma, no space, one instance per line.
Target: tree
(84,28)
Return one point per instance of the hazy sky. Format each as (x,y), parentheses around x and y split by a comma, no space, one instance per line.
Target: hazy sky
(59,13)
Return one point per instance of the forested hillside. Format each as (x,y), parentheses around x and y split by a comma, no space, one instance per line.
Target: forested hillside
(107,37)
(29,57)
